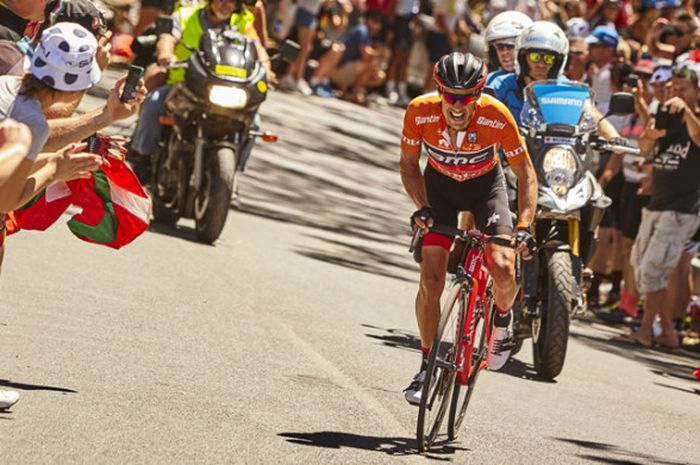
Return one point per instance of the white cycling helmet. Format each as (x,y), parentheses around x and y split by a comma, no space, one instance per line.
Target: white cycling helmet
(542,36)
(504,26)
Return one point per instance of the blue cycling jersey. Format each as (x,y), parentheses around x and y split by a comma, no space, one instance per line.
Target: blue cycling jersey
(493,75)
(510,92)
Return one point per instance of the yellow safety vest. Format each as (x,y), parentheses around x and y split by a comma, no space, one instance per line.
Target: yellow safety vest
(192,31)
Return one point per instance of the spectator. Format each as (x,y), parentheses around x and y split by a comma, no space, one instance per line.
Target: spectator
(671,217)
(577,28)
(306,23)
(605,13)
(447,33)
(602,45)
(353,64)
(638,32)
(401,26)
(576,64)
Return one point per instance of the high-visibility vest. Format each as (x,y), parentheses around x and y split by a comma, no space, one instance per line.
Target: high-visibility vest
(192,32)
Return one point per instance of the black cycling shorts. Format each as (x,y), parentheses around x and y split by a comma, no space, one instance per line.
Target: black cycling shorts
(631,205)
(486,197)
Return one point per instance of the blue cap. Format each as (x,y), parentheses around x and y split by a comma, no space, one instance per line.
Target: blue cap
(668,4)
(605,35)
(647,4)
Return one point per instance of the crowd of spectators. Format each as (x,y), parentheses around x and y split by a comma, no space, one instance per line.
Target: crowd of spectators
(646,47)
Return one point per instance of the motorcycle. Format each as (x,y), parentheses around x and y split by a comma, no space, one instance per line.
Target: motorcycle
(560,133)
(208,123)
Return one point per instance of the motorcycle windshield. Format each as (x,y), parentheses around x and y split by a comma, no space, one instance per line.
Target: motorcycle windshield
(552,102)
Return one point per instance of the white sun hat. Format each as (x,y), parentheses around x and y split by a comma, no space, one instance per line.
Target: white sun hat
(64,59)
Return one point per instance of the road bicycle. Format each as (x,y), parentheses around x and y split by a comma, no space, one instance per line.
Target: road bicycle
(460,346)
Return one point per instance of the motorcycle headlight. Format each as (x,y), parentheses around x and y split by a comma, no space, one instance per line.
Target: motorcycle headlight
(228,97)
(559,168)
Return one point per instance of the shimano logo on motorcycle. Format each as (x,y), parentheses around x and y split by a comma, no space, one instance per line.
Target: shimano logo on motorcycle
(427,119)
(562,101)
(490,123)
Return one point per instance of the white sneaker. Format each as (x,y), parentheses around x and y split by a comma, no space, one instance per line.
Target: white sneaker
(501,343)
(415,389)
(304,88)
(8,399)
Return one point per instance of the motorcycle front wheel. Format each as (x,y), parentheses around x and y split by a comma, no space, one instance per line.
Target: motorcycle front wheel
(212,202)
(550,342)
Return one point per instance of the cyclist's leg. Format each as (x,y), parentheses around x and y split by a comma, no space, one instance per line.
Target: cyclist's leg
(435,254)
(432,282)
(493,217)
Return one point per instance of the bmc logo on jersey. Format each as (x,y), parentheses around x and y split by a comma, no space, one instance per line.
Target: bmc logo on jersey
(461,159)
(492,123)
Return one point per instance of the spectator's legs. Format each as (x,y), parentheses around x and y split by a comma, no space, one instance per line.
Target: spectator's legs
(653,301)
(327,63)
(680,286)
(306,40)
(599,262)
(629,304)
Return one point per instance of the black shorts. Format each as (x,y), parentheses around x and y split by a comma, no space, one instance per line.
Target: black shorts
(485,197)
(613,214)
(403,33)
(631,205)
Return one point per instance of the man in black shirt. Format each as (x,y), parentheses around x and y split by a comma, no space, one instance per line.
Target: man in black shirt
(672,216)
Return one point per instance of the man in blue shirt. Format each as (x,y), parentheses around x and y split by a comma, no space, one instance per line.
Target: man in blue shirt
(352,64)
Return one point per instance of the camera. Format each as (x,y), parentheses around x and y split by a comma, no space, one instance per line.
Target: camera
(671,122)
(633,80)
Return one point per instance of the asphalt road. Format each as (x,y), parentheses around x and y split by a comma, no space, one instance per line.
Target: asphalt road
(291,339)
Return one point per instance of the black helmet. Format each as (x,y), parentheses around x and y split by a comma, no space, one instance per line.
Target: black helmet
(460,71)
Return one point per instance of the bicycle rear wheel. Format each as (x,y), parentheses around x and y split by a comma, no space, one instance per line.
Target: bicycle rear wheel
(475,350)
(440,374)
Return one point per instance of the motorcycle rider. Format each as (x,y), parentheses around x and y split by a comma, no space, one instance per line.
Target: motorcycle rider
(190,24)
(501,35)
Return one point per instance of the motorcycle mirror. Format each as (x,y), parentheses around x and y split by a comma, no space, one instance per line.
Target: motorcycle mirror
(289,50)
(164,25)
(621,103)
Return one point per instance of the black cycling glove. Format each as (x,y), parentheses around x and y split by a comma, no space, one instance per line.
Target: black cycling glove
(425,213)
(524,236)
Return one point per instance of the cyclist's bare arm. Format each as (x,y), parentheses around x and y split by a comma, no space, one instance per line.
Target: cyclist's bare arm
(412,178)
(527,190)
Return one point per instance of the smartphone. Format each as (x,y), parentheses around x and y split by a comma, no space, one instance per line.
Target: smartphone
(132,80)
(633,80)
(671,122)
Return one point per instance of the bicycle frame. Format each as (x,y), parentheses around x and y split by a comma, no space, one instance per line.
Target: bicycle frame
(476,278)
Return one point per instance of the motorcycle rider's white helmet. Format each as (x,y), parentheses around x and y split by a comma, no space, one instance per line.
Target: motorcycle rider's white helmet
(542,36)
(504,26)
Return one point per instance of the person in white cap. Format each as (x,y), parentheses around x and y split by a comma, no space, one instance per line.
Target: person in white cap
(63,67)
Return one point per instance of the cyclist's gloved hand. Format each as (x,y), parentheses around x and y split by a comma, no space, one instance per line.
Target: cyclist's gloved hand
(526,244)
(422,218)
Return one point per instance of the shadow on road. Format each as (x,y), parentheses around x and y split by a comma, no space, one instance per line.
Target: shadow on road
(391,446)
(662,364)
(343,180)
(396,338)
(618,455)
(180,232)
(34,387)
(522,370)
(689,391)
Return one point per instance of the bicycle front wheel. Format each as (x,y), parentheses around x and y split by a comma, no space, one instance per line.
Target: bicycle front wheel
(474,355)
(441,372)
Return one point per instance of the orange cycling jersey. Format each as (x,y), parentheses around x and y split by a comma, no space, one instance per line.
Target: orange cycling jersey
(492,127)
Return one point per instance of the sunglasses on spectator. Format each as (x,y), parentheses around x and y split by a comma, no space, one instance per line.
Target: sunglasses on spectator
(453,99)
(682,72)
(502,47)
(536,57)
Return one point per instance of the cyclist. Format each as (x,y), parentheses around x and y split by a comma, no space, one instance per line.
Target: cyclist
(501,34)
(462,131)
